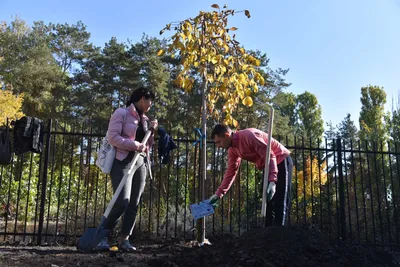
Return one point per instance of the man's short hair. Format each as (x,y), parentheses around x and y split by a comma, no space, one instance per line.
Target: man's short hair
(220,130)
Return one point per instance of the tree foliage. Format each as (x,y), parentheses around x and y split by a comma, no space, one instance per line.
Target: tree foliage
(204,44)
(310,180)
(54,71)
(372,115)
(10,106)
(28,66)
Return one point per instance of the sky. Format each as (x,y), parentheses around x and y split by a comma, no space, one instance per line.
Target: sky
(332,47)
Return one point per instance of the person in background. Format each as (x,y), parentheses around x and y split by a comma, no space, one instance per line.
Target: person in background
(126,130)
(251,145)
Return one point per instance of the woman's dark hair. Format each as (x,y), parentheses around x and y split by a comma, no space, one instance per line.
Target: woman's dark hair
(138,94)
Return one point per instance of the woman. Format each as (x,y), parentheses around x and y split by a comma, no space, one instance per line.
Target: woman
(126,131)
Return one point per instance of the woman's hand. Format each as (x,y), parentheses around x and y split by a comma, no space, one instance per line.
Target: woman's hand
(154,124)
(142,148)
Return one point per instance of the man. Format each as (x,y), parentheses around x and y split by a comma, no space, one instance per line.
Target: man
(251,145)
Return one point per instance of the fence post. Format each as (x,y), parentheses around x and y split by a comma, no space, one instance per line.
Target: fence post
(342,210)
(44,183)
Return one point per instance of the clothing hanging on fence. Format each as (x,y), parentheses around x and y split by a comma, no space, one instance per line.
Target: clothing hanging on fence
(165,145)
(5,146)
(28,135)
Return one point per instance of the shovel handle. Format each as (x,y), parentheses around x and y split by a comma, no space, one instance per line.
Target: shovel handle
(267,159)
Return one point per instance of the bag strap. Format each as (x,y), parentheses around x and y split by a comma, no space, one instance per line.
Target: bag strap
(126,114)
(123,122)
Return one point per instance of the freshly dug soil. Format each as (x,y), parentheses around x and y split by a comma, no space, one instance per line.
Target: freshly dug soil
(294,246)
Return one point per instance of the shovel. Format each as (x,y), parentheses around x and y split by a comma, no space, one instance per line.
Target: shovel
(89,240)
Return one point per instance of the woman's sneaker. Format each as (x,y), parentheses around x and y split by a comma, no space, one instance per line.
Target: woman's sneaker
(126,246)
(103,245)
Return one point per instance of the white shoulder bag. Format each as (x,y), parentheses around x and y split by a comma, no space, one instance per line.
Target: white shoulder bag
(106,153)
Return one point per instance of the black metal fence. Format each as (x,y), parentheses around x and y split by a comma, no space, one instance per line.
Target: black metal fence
(350,189)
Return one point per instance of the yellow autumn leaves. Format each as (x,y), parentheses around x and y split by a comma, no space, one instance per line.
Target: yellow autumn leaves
(309,182)
(10,106)
(204,44)
(160,52)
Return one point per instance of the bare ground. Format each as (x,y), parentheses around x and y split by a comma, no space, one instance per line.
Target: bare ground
(271,247)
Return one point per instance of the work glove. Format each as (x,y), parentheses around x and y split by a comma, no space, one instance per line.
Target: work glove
(271,190)
(213,200)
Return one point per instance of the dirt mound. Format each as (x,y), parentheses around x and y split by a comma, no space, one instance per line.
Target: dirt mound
(263,247)
(279,247)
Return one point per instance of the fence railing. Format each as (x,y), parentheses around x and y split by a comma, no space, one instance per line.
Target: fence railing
(350,189)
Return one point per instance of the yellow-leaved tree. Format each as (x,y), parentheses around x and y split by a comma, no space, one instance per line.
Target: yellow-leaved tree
(207,45)
(228,75)
(10,105)
(309,183)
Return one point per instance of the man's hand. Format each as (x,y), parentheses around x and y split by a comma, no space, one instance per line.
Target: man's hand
(271,190)
(213,200)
